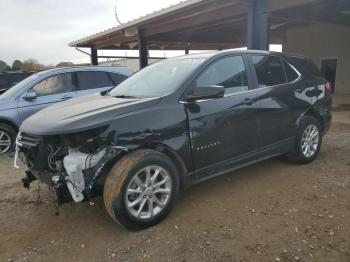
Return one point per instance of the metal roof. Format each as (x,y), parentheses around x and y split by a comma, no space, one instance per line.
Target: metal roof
(213,24)
(137,21)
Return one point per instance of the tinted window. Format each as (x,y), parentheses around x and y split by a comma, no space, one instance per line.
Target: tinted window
(269,70)
(92,80)
(55,85)
(228,72)
(305,66)
(292,75)
(117,78)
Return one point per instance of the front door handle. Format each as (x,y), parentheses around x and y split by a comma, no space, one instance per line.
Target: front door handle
(66,97)
(248,101)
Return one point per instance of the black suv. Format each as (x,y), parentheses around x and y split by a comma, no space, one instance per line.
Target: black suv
(175,123)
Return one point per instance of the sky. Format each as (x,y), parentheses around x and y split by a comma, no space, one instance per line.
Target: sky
(42,29)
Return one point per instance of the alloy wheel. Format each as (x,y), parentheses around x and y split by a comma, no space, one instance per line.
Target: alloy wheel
(148,192)
(5,142)
(310,141)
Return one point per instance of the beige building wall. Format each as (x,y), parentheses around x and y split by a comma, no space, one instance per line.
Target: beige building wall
(132,63)
(319,41)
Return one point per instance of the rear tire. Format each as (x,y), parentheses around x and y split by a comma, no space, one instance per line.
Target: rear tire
(308,141)
(7,138)
(147,178)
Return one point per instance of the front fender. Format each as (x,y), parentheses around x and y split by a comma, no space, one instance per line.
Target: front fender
(150,126)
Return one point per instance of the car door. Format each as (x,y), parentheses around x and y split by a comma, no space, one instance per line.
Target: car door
(51,90)
(90,82)
(224,128)
(275,117)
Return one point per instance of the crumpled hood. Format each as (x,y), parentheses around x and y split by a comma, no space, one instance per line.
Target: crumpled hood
(82,114)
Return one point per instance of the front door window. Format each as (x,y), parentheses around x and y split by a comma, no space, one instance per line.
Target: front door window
(58,84)
(228,72)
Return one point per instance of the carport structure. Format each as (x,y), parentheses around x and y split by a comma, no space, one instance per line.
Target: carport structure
(223,24)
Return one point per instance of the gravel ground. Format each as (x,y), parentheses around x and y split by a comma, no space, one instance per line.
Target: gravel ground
(271,211)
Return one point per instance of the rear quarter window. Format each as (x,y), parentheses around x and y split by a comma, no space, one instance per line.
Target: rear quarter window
(291,74)
(305,66)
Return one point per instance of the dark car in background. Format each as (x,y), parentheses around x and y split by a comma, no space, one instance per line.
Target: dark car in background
(9,79)
(175,123)
(48,87)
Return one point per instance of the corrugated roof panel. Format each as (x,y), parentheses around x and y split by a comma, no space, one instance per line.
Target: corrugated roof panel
(137,21)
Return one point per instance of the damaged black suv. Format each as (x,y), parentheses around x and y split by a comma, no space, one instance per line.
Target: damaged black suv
(175,123)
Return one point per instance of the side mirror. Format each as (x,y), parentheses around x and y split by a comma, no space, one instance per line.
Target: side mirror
(206,92)
(30,95)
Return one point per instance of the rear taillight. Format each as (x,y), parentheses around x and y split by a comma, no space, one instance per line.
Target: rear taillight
(328,86)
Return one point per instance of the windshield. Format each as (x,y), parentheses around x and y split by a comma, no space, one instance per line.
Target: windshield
(157,80)
(13,90)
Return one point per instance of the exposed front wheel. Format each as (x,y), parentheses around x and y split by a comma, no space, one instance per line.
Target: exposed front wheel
(7,138)
(141,189)
(308,141)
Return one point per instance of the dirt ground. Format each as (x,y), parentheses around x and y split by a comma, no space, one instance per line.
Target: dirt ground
(271,211)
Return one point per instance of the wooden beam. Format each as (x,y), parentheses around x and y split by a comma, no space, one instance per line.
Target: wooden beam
(217,25)
(194,45)
(274,5)
(114,41)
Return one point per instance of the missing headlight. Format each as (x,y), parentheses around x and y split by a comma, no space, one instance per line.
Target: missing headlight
(86,140)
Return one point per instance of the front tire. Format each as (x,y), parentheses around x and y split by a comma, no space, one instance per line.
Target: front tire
(7,138)
(141,189)
(308,141)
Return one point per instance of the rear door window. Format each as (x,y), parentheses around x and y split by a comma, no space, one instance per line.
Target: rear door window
(269,70)
(228,72)
(93,79)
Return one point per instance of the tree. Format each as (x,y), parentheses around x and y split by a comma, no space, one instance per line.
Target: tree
(16,65)
(3,66)
(65,64)
(32,64)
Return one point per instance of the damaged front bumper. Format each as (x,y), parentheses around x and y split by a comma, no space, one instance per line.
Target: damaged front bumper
(73,174)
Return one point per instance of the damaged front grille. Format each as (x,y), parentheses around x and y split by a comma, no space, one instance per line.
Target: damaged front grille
(28,140)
